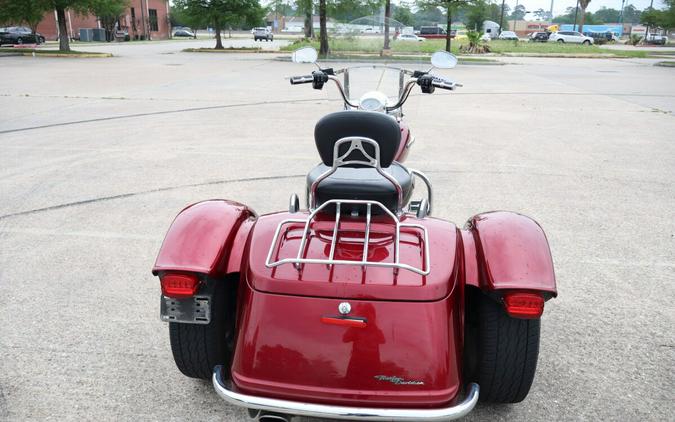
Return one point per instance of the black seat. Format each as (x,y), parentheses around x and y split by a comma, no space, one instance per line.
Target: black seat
(362,184)
(358,181)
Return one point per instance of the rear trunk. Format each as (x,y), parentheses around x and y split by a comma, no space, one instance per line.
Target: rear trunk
(398,346)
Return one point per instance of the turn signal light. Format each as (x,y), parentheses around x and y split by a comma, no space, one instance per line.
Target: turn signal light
(179,285)
(524,305)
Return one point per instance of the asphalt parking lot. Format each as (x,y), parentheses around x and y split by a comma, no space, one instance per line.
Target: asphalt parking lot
(98,155)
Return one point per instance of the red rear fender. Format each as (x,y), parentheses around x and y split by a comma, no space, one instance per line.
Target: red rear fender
(207,237)
(507,251)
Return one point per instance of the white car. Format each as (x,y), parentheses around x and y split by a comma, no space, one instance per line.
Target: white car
(508,35)
(410,37)
(485,37)
(571,37)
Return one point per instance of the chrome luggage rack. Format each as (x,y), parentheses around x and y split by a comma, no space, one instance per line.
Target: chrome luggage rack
(301,259)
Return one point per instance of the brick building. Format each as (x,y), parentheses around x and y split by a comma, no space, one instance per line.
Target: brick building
(143,19)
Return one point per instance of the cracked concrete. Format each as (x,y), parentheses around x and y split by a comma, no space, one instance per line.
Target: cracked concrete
(574,143)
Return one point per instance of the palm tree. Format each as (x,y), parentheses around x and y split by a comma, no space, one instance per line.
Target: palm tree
(583,4)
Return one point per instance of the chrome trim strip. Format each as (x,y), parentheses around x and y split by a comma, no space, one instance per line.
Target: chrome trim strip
(344,412)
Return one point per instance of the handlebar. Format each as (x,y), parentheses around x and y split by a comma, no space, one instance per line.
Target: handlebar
(444,83)
(426,81)
(295,80)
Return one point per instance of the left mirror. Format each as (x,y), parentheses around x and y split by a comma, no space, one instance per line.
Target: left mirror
(443,60)
(305,55)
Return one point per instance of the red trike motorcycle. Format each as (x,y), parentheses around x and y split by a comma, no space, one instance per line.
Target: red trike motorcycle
(359,305)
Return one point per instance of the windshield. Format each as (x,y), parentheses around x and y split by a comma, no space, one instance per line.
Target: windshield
(378,55)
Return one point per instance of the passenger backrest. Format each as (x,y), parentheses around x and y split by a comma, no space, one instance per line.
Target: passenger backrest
(379,127)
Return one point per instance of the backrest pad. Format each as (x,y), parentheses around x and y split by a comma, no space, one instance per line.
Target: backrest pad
(379,127)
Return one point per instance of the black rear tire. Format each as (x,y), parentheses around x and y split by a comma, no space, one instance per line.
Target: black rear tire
(501,352)
(198,348)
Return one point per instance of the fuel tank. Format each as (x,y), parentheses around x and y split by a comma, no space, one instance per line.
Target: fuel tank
(350,335)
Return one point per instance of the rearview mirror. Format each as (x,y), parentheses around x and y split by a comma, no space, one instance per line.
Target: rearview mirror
(443,60)
(305,55)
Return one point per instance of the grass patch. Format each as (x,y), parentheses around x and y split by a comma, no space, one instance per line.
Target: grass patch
(53,53)
(666,63)
(498,47)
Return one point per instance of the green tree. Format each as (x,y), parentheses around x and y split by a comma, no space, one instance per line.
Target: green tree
(323,33)
(180,17)
(583,4)
(542,15)
(24,12)
(449,6)
(108,12)
(477,13)
(60,6)
(606,15)
(349,10)
(221,14)
(631,14)
(305,9)
(518,13)
(403,14)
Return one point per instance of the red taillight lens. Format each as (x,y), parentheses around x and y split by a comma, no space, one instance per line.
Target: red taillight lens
(524,305)
(179,285)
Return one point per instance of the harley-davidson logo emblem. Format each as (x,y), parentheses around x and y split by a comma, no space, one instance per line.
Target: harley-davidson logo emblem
(398,380)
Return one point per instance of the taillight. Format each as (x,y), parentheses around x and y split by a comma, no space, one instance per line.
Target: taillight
(179,285)
(524,305)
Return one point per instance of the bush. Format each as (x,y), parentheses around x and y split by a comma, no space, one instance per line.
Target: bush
(635,39)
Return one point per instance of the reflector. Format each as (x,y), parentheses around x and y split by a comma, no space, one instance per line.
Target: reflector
(524,305)
(179,285)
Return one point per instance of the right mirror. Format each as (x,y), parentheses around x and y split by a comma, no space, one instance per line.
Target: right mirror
(443,60)
(305,55)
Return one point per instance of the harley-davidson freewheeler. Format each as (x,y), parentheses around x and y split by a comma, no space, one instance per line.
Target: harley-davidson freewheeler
(359,304)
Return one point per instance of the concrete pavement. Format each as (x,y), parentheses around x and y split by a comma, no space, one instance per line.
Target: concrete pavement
(98,155)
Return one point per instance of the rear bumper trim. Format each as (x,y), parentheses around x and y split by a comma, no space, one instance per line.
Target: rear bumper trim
(344,412)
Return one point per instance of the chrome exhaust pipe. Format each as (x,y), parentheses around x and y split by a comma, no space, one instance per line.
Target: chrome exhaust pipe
(273,417)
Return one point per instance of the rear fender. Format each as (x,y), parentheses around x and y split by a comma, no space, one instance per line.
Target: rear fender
(207,237)
(506,251)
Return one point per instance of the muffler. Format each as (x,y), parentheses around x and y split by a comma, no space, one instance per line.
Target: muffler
(273,417)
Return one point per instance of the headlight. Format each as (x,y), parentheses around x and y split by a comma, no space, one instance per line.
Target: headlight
(373,101)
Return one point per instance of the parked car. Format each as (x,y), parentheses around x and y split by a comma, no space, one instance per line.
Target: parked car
(508,35)
(657,39)
(263,34)
(19,35)
(539,36)
(572,37)
(184,33)
(410,37)
(370,30)
(435,32)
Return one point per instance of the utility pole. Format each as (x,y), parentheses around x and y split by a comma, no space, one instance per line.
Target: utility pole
(550,13)
(501,18)
(623,2)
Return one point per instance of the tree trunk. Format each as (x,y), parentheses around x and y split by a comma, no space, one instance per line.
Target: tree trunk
(64,44)
(387,15)
(448,29)
(219,42)
(583,19)
(309,23)
(323,35)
